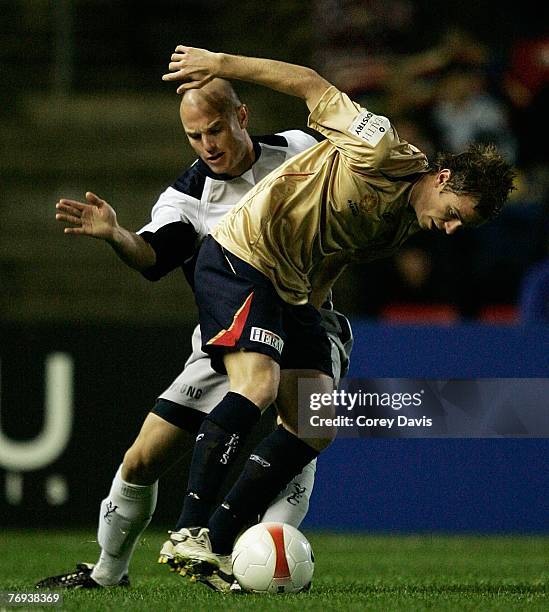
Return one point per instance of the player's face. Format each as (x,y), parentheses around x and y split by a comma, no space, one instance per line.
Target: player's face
(220,140)
(440,210)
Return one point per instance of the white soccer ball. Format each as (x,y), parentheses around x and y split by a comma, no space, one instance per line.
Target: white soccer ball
(273,558)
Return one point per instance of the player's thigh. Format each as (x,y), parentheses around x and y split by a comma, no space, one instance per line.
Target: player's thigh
(195,391)
(254,375)
(158,446)
(287,402)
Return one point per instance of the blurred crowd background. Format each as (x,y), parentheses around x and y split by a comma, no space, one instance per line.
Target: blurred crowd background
(83,107)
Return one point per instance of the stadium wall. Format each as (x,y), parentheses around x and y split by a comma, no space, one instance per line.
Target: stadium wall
(73,398)
(414,485)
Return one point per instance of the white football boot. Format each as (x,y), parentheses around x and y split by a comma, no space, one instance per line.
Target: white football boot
(192,555)
(167,551)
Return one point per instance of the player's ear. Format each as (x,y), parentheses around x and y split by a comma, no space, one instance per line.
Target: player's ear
(242,114)
(443,176)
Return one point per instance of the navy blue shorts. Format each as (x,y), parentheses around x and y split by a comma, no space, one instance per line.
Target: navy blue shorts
(238,308)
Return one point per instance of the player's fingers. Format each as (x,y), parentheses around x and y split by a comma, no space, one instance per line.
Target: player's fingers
(74,203)
(182,49)
(183,88)
(175,65)
(194,84)
(74,230)
(94,199)
(65,218)
(72,210)
(178,62)
(172,76)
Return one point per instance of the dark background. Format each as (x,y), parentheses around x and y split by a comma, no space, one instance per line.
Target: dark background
(83,107)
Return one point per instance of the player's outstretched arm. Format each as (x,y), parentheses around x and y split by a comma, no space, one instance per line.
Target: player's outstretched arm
(195,67)
(96,218)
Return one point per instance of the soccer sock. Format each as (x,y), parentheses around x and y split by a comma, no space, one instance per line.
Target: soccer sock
(219,438)
(292,503)
(123,516)
(278,458)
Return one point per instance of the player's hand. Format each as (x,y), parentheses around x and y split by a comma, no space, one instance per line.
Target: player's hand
(94,218)
(194,67)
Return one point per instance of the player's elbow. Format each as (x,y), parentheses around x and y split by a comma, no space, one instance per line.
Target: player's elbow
(311,87)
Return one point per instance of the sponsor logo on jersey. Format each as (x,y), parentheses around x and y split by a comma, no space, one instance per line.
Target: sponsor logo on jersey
(369,127)
(257,334)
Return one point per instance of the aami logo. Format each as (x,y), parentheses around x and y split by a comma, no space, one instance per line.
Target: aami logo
(362,124)
(257,334)
(369,127)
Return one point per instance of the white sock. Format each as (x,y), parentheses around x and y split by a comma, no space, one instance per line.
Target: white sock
(123,516)
(292,504)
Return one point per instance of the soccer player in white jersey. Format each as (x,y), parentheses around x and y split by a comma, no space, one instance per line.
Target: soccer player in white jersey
(230,162)
(357,196)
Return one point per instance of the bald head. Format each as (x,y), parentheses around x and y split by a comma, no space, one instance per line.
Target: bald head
(218,94)
(215,121)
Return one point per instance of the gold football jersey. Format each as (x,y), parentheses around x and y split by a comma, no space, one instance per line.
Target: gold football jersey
(348,195)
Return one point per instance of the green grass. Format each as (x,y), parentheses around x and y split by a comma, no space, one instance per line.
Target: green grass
(353,572)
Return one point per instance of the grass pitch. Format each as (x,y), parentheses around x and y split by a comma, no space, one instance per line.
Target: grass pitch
(353,572)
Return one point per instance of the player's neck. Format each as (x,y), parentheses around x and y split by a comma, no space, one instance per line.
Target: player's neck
(416,191)
(247,161)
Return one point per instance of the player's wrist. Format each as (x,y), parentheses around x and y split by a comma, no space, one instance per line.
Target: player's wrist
(114,235)
(222,65)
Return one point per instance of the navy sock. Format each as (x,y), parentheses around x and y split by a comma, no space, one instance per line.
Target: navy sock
(277,459)
(217,443)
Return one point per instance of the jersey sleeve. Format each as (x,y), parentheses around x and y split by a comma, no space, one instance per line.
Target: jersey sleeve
(172,206)
(367,143)
(299,140)
(171,232)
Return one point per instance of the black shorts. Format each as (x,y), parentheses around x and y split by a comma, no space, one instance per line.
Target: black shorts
(239,308)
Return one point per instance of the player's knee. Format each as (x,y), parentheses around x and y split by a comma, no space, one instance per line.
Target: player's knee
(140,467)
(264,392)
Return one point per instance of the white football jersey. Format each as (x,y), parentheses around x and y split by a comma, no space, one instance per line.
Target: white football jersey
(189,209)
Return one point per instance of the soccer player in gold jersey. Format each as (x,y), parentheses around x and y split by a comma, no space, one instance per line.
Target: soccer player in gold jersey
(357,196)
